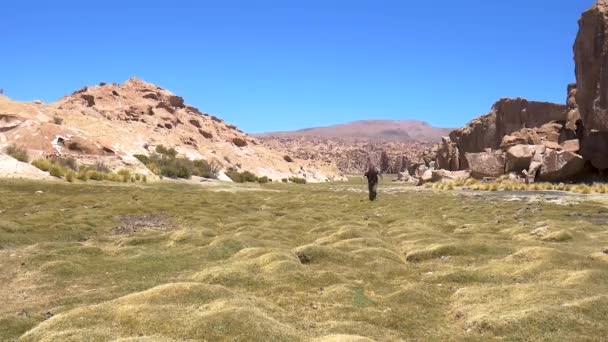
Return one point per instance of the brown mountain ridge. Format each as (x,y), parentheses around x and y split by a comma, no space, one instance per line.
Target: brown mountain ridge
(388,130)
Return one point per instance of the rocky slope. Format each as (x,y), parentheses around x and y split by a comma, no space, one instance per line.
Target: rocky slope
(402,142)
(111,123)
(383,130)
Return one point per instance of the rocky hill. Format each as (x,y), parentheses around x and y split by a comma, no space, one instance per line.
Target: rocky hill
(111,123)
(383,130)
(350,155)
(403,142)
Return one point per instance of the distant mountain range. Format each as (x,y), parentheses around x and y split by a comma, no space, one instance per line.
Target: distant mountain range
(389,130)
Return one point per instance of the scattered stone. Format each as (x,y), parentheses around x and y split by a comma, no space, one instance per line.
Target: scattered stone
(304,259)
(540,232)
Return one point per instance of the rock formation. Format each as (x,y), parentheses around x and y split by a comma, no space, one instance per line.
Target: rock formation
(545,141)
(591,62)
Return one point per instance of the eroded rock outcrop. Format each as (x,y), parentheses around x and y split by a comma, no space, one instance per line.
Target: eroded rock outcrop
(506,117)
(591,62)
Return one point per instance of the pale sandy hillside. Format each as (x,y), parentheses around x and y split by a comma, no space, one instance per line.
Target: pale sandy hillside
(113,122)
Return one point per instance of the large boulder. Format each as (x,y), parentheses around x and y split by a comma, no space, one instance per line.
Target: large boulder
(486,164)
(446,176)
(591,62)
(560,166)
(519,157)
(535,164)
(426,177)
(447,155)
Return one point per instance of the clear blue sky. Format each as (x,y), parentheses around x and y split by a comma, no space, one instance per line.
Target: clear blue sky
(287,64)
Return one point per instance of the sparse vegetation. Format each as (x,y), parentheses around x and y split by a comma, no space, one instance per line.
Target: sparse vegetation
(166,163)
(241,177)
(288,159)
(239,142)
(17,152)
(297,180)
(57,120)
(67,167)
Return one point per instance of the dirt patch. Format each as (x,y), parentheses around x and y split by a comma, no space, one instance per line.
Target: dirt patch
(143,222)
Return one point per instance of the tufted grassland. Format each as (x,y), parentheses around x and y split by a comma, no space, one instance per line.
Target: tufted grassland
(289,262)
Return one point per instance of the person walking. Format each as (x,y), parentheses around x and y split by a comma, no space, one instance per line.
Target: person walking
(372,180)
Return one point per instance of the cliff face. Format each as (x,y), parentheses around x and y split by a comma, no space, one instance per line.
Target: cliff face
(506,117)
(591,61)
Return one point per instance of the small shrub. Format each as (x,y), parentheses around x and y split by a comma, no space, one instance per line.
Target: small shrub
(17,152)
(137,177)
(297,180)
(284,180)
(288,159)
(202,168)
(100,166)
(70,176)
(42,164)
(144,179)
(82,175)
(65,162)
(94,175)
(57,171)
(241,177)
(114,177)
(239,142)
(263,180)
(57,120)
(124,173)
(169,152)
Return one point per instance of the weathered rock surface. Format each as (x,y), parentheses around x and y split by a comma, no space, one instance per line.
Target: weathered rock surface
(571,145)
(519,157)
(591,62)
(528,121)
(448,155)
(560,166)
(446,176)
(486,164)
